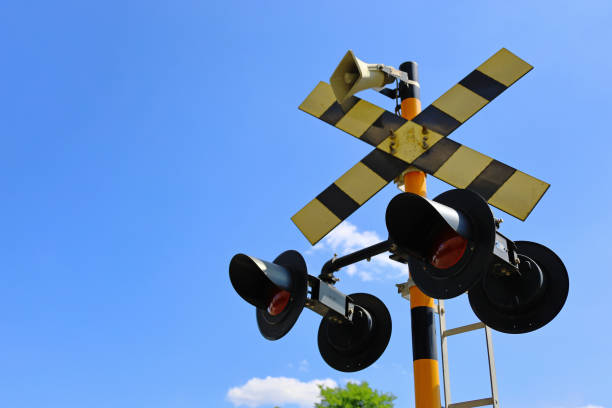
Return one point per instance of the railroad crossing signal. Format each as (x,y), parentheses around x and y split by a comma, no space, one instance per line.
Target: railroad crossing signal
(355,329)
(423,143)
(452,245)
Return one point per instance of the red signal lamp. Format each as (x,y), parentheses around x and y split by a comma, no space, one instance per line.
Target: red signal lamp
(277,289)
(448,250)
(447,242)
(279,302)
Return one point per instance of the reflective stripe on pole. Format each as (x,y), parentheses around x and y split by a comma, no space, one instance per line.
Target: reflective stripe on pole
(424,350)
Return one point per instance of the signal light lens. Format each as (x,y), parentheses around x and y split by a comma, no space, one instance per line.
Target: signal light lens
(447,250)
(279,302)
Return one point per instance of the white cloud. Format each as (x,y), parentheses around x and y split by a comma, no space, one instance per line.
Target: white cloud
(346,238)
(304,365)
(277,391)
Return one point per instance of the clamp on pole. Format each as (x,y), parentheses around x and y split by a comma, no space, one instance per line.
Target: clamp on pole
(396,73)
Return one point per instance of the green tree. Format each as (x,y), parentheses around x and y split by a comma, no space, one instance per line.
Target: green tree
(355,396)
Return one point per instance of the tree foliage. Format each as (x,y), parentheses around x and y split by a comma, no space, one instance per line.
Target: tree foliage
(355,396)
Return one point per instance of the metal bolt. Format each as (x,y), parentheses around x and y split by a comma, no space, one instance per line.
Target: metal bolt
(424,143)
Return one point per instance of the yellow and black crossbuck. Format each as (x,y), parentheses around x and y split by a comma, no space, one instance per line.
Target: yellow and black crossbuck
(423,143)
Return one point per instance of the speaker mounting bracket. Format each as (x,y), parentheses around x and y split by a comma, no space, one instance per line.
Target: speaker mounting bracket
(396,73)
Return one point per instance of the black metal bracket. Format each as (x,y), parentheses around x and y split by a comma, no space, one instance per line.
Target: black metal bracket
(389,93)
(328,301)
(334,264)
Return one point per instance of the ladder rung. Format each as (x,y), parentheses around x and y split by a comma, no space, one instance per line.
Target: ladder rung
(463,329)
(474,403)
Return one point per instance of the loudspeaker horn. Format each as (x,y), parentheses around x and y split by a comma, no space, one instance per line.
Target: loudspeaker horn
(353,75)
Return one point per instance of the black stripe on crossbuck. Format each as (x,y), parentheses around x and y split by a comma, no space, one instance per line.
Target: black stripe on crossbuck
(383,164)
(491,179)
(483,85)
(336,111)
(436,120)
(338,202)
(436,156)
(381,129)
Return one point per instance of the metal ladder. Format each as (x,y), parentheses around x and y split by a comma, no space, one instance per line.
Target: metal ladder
(444,335)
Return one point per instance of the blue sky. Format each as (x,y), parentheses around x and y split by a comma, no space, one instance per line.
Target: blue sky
(143,144)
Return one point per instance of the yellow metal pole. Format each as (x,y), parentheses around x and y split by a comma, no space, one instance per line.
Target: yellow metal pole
(424,350)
